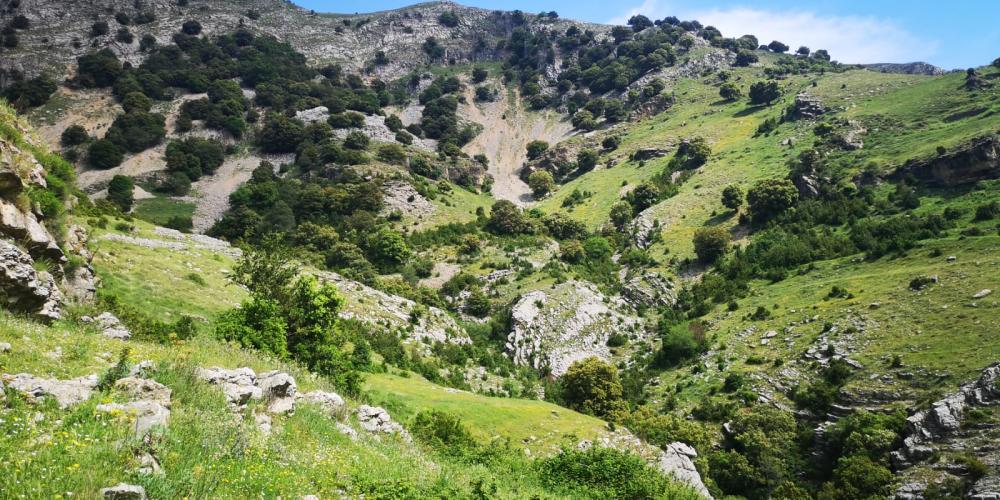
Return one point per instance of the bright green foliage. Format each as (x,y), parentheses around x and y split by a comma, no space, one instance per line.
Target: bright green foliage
(621,214)
(607,473)
(710,243)
(541,183)
(730,91)
(770,197)
(732,197)
(256,324)
(592,386)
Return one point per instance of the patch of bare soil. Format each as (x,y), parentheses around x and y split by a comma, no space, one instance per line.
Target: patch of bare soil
(507,130)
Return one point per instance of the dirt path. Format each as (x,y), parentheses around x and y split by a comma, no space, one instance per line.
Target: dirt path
(507,130)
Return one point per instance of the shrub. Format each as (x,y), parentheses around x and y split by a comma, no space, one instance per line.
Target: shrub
(586,160)
(710,243)
(745,58)
(770,197)
(449,18)
(74,135)
(99,69)
(730,91)
(987,211)
(764,92)
(104,154)
(120,192)
(732,197)
(541,183)
(479,74)
(536,148)
(256,324)
(507,219)
(348,119)
(356,140)
(592,386)
(99,28)
(191,28)
(605,473)
(280,134)
(571,251)
(194,157)
(30,93)
(137,131)
(443,432)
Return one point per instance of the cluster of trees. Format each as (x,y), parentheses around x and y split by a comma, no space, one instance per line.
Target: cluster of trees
(439,120)
(293,318)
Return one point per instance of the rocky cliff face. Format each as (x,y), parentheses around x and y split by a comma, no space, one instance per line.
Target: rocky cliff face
(978,160)
(913,68)
(61,31)
(573,321)
(33,264)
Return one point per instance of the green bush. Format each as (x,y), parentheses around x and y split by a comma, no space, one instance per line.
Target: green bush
(607,473)
(443,432)
(593,387)
(104,154)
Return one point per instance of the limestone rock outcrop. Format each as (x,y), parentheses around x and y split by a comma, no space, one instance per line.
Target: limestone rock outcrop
(26,289)
(554,328)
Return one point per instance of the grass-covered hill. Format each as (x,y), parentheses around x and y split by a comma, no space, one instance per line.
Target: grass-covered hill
(568,260)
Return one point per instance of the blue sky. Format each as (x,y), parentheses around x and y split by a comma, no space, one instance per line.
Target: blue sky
(952,34)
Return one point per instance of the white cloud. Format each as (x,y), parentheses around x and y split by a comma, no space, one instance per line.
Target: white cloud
(849,39)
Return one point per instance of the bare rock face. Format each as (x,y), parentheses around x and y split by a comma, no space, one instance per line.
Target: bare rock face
(238,385)
(26,289)
(944,417)
(24,226)
(978,160)
(808,106)
(650,289)
(676,460)
(66,392)
(401,196)
(381,309)
(554,328)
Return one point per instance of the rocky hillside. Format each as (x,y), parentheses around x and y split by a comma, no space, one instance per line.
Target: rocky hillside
(63,31)
(446,251)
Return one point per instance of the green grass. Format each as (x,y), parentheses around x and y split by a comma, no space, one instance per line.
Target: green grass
(537,425)
(155,279)
(160,210)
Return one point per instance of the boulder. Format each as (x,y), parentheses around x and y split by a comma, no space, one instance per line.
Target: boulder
(124,491)
(279,389)
(330,402)
(238,385)
(982,293)
(5,347)
(376,420)
(649,154)
(66,392)
(649,289)
(111,327)
(676,460)
(808,106)
(25,289)
(144,389)
(147,414)
(24,227)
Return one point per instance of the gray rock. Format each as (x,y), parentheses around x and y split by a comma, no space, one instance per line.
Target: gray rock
(330,402)
(111,327)
(347,431)
(149,465)
(123,491)
(808,106)
(376,420)
(147,414)
(5,347)
(982,293)
(238,385)
(142,369)
(676,460)
(66,392)
(279,389)
(144,389)
(26,289)
(987,488)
